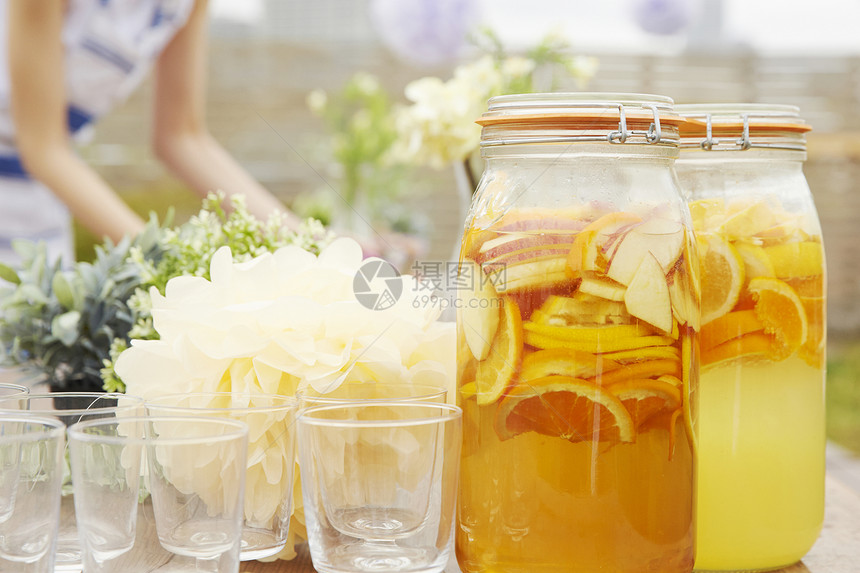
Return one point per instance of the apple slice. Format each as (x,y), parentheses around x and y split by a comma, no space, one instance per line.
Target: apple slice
(536,273)
(647,296)
(603,288)
(519,247)
(589,253)
(536,221)
(662,238)
(479,310)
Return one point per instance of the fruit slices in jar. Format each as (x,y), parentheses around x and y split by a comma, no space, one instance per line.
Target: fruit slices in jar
(578,327)
(762,270)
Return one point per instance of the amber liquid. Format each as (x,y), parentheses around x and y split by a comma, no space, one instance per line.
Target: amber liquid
(536,502)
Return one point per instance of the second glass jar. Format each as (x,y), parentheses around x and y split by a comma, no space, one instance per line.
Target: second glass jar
(761,430)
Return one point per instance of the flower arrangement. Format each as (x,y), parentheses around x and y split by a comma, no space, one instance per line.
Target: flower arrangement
(438,127)
(68,323)
(274,324)
(361,128)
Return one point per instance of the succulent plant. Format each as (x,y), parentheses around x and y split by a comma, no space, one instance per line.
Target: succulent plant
(63,321)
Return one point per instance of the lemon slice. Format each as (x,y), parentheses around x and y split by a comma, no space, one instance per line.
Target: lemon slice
(722,276)
(747,219)
(756,261)
(794,260)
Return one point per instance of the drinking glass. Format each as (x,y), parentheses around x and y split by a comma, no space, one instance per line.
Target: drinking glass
(371,390)
(70,408)
(196,471)
(31,475)
(8,390)
(271,459)
(379,482)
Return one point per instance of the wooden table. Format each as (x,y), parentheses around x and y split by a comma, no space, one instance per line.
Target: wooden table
(836,551)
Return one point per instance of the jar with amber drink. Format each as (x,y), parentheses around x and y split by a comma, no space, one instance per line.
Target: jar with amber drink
(761,425)
(577,314)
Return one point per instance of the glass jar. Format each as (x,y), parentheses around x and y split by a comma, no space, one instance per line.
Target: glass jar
(577,313)
(761,426)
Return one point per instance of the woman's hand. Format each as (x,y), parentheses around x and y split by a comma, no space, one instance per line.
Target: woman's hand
(39,109)
(181,139)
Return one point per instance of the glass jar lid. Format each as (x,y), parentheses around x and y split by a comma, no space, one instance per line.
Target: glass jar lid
(741,126)
(580,117)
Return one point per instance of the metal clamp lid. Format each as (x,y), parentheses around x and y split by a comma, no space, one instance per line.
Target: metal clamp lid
(653,135)
(744,142)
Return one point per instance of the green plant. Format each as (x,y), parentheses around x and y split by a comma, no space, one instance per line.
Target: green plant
(361,130)
(70,324)
(64,321)
(843,395)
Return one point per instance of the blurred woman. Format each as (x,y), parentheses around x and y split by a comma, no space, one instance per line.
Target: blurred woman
(66,63)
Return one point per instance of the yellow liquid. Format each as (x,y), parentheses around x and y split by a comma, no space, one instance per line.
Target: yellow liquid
(761,465)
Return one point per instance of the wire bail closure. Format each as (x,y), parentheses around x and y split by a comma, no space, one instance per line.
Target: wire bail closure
(653,135)
(743,142)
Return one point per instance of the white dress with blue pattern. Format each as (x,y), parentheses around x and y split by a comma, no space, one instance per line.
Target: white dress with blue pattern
(110,45)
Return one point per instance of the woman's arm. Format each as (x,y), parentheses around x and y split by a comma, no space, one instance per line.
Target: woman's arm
(39,112)
(181,139)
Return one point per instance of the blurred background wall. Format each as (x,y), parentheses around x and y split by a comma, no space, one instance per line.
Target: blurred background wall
(267,55)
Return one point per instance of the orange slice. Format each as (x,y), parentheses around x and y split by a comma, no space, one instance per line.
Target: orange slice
(722,276)
(812,350)
(565,362)
(728,326)
(646,369)
(673,380)
(753,346)
(563,406)
(640,354)
(689,388)
(645,398)
(807,287)
(781,311)
(494,373)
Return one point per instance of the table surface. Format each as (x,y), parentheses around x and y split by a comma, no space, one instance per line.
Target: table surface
(836,551)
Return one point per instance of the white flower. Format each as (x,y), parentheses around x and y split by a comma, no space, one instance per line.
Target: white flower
(317,100)
(517,67)
(276,323)
(366,83)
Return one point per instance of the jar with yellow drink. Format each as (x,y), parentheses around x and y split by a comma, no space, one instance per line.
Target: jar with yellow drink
(761,426)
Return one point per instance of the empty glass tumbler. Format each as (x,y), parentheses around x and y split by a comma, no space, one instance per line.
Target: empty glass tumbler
(195,468)
(31,475)
(271,458)
(379,482)
(70,408)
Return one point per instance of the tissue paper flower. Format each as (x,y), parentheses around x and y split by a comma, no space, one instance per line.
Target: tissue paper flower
(279,322)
